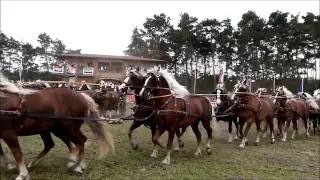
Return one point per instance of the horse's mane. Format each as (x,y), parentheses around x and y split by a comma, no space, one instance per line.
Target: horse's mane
(287,93)
(177,89)
(311,101)
(11,88)
(316,92)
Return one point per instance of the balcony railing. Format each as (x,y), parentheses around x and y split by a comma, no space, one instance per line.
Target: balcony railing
(80,71)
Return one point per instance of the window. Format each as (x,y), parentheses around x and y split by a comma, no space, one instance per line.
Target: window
(116,66)
(104,66)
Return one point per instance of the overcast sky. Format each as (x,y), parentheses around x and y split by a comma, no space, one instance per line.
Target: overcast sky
(105,27)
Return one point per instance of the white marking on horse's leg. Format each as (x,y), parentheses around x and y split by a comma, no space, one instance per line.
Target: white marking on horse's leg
(265,134)
(272,138)
(198,151)
(243,142)
(166,160)
(284,138)
(208,146)
(81,167)
(308,127)
(230,140)
(235,137)
(258,137)
(23,172)
(72,158)
(154,151)
(293,134)
(179,144)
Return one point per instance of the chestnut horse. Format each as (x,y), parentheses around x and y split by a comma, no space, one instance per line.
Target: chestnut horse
(33,109)
(143,109)
(290,109)
(314,109)
(175,107)
(224,102)
(251,108)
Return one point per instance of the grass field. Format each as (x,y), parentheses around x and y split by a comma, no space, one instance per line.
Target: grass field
(291,160)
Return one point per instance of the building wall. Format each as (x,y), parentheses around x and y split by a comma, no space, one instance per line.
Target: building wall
(105,74)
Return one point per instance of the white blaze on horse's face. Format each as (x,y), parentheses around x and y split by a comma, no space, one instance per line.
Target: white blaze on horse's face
(275,98)
(218,97)
(144,86)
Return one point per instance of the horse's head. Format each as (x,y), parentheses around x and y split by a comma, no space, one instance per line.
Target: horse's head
(151,80)
(261,91)
(219,90)
(240,87)
(133,78)
(284,94)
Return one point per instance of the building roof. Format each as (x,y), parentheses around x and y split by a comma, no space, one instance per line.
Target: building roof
(99,56)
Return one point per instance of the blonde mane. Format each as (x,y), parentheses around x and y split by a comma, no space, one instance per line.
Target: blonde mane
(177,89)
(12,88)
(287,93)
(311,101)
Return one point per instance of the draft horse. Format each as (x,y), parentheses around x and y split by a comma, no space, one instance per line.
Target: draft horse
(314,109)
(251,108)
(34,111)
(290,109)
(224,102)
(175,107)
(143,112)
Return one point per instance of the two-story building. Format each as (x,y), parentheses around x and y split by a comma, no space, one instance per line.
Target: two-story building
(92,67)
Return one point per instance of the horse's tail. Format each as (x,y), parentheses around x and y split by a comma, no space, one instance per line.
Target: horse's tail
(213,123)
(102,135)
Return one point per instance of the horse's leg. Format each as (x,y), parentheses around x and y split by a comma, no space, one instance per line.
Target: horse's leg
(314,124)
(285,131)
(206,125)
(305,120)
(295,127)
(230,131)
(258,124)
(79,140)
(279,132)
(245,134)
(171,133)
(134,125)
(179,138)
(271,126)
(196,131)
(12,141)
(73,157)
(5,159)
(265,130)
(241,123)
(48,145)
(155,140)
(235,122)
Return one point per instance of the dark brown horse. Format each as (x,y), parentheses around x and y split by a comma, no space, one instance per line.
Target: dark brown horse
(175,108)
(250,108)
(60,102)
(224,102)
(290,109)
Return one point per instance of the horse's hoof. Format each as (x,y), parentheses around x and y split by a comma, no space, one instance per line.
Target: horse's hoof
(177,149)
(165,163)
(11,166)
(23,177)
(209,151)
(283,140)
(272,141)
(256,143)
(134,145)
(241,146)
(197,154)
(78,170)
(181,145)
(246,143)
(235,138)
